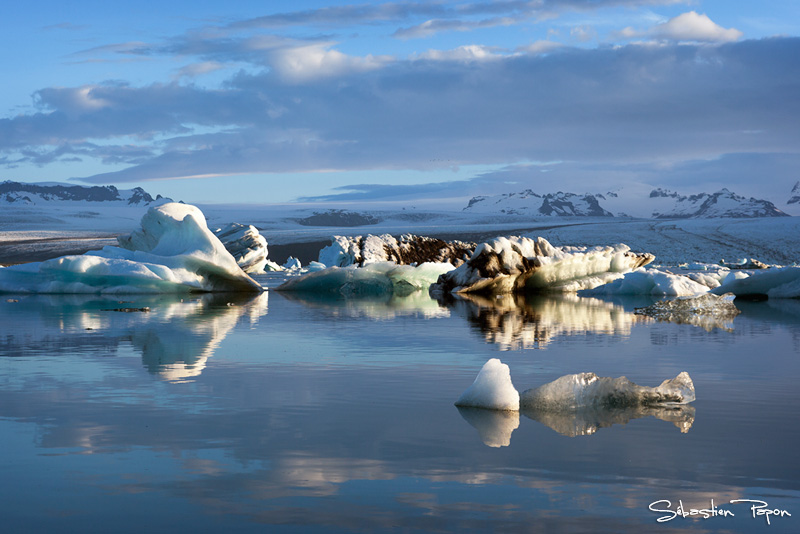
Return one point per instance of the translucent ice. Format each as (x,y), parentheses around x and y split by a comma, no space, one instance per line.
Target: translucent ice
(494,390)
(571,392)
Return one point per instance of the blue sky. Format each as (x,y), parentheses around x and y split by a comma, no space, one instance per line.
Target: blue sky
(277,101)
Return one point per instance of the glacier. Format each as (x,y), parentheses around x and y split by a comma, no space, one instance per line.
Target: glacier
(520,264)
(173,251)
(494,390)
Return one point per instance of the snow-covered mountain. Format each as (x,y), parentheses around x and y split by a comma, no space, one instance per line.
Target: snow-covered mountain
(723,203)
(795,198)
(529,203)
(659,204)
(52,192)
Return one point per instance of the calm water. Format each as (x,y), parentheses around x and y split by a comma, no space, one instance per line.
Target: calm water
(280,413)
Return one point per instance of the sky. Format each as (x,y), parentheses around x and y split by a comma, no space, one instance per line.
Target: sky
(412,101)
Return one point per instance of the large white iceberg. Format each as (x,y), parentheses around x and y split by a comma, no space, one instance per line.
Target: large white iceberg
(372,279)
(770,283)
(520,264)
(493,390)
(649,282)
(174,251)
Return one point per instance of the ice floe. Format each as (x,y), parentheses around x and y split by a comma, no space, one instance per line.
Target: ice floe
(572,392)
(521,264)
(650,282)
(174,251)
(494,390)
(783,282)
(372,279)
(707,311)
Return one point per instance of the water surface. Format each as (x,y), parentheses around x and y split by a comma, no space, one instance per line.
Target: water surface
(294,413)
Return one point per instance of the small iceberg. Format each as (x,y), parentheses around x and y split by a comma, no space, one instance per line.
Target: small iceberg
(247,246)
(776,283)
(524,265)
(649,282)
(174,251)
(707,311)
(494,390)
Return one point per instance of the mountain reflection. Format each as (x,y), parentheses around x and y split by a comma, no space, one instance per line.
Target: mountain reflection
(531,322)
(174,335)
(495,427)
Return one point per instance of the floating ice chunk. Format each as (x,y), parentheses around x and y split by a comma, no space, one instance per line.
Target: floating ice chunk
(520,264)
(373,279)
(777,283)
(174,251)
(649,282)
(292,264)
(246,245)
(571,392)
(492,389)
(706,311)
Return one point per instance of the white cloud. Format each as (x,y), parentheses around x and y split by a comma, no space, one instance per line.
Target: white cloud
(462,53)
(304,63)
(692,26)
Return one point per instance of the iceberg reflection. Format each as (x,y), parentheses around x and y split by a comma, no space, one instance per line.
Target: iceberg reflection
(495,427)
(585,421)
(517,322)
(175,336)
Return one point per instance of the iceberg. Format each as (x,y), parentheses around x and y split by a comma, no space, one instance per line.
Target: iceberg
(407,250)
(649,282)
(707,311)
(521,264)
(572,392)
(372,279)
(174,251)
(494,390)
(246,245)
(783,282)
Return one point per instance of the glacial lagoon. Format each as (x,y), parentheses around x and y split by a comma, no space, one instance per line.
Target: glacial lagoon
(288,413)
